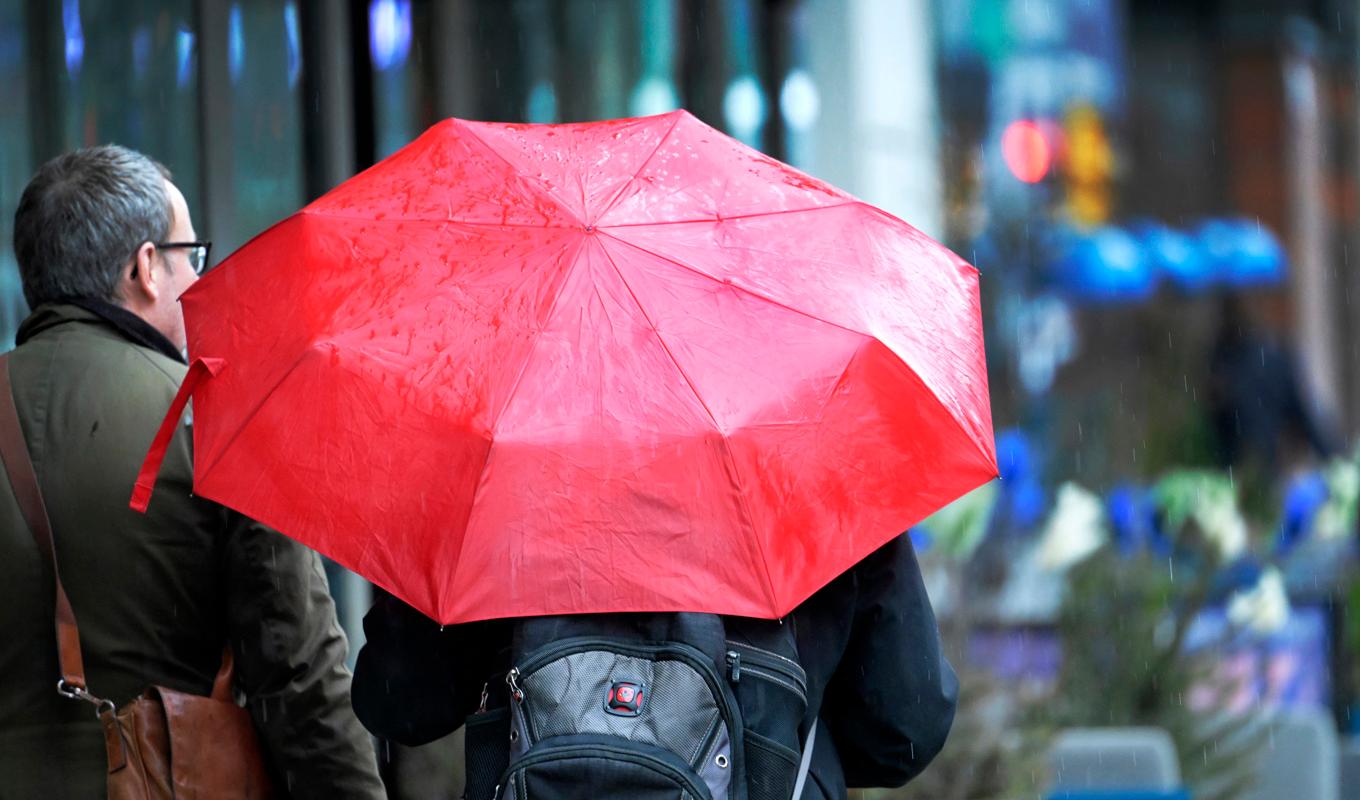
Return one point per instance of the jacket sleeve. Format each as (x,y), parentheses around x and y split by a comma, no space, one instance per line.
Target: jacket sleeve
(891,701)
(290,662)
(416,681)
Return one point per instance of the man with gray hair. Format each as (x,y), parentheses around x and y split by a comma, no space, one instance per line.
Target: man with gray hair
(105,248)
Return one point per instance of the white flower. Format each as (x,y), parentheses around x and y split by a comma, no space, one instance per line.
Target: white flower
(1223,526)
(1074,531)
(1264,608)
(1336,518)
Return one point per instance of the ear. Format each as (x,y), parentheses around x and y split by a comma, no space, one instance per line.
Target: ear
(140,284)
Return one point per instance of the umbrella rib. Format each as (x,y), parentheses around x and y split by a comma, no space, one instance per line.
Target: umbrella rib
(510,398)
(559,202)
(792,310)
(726,445)
(735,286)
(724,218)
(538,335)
(250,416)
(933,396)
(618,193)
(450,220)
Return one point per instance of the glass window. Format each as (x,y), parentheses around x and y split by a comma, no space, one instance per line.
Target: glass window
(264,65)
(127,75)
(520,61)
(655,91)
(744,105)
(403,102)
(800,98)
(15,160)
(63,87)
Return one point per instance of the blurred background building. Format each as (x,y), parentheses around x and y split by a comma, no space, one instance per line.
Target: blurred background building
(1161,196)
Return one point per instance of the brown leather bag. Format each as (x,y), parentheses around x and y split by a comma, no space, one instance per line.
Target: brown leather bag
(164,744)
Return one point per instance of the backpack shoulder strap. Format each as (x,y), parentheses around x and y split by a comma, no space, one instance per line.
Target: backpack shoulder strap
(806,763)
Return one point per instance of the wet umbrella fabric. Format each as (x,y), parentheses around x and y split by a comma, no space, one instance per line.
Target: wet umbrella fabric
(629,365)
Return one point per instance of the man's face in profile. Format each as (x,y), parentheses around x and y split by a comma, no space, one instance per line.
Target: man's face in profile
(179,274)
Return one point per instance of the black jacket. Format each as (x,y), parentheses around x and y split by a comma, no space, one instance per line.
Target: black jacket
(877,682)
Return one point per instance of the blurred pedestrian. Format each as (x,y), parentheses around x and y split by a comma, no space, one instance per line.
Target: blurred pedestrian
(1263,414)
(105,247)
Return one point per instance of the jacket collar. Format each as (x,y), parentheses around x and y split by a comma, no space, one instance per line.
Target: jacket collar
(85,309)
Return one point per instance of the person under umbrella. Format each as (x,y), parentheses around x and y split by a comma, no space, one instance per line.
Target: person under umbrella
(639,388)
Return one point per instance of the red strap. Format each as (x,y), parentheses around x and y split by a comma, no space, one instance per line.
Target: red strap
(151,467)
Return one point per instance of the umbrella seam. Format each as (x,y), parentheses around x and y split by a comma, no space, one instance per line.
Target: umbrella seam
(894,218)
(721,218)
(250,416)
(930,390)
(978,440)
(516,172)
(618,193)
(735,286)
(963,428)
(472,507)
(509,398)
(538,336)
(216,268)
(726,445)
(395,220)
(956,262)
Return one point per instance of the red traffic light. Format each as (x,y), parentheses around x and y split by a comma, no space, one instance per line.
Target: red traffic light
(1027,150)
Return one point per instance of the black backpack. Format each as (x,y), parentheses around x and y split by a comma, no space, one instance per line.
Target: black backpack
(643,706)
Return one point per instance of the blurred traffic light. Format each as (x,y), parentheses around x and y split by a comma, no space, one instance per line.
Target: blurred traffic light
(1088,167)
(1027,150)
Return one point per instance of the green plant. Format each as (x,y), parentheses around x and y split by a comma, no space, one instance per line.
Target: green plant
(1125,624)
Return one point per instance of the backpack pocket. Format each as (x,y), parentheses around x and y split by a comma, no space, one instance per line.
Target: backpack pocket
(587,767)
(660,711)
(771,768)
(772,692)
(485,739)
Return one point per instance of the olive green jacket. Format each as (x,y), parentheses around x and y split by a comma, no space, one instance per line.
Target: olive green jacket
(155,595)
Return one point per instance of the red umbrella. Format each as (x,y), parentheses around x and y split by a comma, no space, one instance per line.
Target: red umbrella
(620,366)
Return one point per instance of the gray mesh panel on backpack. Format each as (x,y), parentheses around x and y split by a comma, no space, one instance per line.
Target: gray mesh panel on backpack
(567,697)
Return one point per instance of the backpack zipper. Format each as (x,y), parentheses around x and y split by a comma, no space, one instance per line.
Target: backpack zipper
(746,659)
(551,753)
(512,681)
(734,666)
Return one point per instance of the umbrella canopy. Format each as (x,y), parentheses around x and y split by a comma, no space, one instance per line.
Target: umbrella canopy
(630,365)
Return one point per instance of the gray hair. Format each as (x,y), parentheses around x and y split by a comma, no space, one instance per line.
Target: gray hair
(81,218)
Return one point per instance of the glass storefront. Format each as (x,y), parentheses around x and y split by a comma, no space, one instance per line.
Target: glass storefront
(15,158)
(264,67)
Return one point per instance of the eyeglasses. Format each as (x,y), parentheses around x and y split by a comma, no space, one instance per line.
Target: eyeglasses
(198,252)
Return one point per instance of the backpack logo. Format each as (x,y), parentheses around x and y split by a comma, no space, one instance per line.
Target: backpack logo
(624,699)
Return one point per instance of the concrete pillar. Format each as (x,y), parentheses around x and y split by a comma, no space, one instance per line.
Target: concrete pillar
(1314,273)
(214,98)
(878,132)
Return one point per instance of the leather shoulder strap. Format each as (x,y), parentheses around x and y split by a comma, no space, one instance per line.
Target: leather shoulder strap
(24,480)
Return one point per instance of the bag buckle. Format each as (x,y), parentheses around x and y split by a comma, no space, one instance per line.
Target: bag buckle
(75,691)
